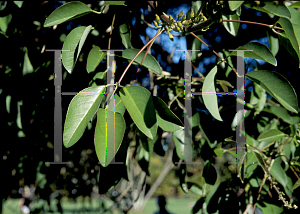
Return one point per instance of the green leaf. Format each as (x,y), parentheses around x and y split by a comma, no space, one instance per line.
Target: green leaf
(115,3)
(178,138)
(274,43)
(149,62)
(125,35)
(241,168)
(231,27)
(260,160)
(139,104)
(270,208)
(119,106)
(233,5)
(292,32)
(195,188)
(258,51)
(102,133)
(288,46)
(27,66)
(209,96)
(166,119)
(75,38)
(67,12)
(211,193)
(296,184)
(4,21)
(94,58)
(283,114)
(195,45)
(295,5)
(19,3)
(209,173)
(181,174)
(278,86)
(219,150)
(279,174)
(271,135)
(249,168)
(269,7)
(81,110)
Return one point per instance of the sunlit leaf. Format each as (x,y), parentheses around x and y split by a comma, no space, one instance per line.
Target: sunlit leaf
(67,12)
(209,94)
(257,51)
(75,38)
(81,110)
(149,62)
(271,135)
(270,7)
(102,133)
(278,86)
(231,27)
(139,104)
(166,119)
(94,58)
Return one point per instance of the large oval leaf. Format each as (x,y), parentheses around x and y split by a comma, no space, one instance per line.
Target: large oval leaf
(276,85)
(292,32)
(149,62)
(270,7)
(76,37)
(67,12)
(271,135)
(102,135)
(231,27)
(81,110)
(138,102)
(209,94)
(94,58)
(258,51)
(279,174)
(166,119)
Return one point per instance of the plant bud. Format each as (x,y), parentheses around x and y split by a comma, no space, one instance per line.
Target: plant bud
(201,16)
(192,14)
(180,14)
(257,2)
(204,18)
(178,28)
(186,22)
(167,29)
(156,17)
(179,24)
(197,19)
(184,17)
(220,20)
(171,36)
(171,19)
(155,23)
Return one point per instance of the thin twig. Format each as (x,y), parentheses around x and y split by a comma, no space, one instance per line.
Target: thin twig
(261,185)
(126,69)
(200,9)
(144,57)
(198,71)
(214,52)
(111,29)
(105,8)
(255,23)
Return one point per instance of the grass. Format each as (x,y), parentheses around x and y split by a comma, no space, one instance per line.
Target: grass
(174,205)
